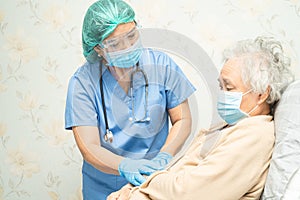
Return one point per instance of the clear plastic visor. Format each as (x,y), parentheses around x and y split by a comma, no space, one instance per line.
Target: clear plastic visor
(121,42)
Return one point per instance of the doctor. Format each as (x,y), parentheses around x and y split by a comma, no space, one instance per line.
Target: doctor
(120,101)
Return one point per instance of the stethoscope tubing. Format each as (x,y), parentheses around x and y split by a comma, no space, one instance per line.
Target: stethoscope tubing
(108,136)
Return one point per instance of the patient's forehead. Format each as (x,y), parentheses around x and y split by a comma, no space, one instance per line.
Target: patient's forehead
(231,71)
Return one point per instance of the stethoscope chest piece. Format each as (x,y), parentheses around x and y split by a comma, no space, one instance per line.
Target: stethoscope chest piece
(108,136)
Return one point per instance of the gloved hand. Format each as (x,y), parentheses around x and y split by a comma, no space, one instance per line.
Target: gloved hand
(132,170)
(162,158)
(159,162)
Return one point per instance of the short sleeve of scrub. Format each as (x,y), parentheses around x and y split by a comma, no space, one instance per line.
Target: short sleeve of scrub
(81,109)
(177,87)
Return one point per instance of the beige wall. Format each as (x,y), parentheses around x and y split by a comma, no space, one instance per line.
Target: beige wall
(41,48)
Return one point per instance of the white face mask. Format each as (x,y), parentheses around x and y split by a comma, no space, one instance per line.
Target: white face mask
(229,106)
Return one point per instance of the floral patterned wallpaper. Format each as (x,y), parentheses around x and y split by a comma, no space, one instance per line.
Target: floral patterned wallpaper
(41,49)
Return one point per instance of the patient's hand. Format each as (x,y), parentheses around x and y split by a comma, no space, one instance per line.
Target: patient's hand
(122,194)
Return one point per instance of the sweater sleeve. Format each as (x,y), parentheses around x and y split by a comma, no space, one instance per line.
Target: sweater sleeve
(238,162)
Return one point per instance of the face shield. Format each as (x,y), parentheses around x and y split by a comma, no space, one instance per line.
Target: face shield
(124,50)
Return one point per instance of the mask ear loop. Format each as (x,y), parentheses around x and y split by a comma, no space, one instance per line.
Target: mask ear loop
(253,109)
(255,106)
(104,56)
(248,92)
(137,24)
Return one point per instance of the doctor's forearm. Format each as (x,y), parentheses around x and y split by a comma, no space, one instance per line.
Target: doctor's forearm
(181,120)
(103,160)
(177,136)
(93,153)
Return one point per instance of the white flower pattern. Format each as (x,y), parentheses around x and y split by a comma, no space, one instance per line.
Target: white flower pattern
(21,46)
(22,162)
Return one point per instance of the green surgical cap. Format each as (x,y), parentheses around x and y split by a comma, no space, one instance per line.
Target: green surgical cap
(100,20)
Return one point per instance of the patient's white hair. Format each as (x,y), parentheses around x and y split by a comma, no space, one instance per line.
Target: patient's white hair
(264,64)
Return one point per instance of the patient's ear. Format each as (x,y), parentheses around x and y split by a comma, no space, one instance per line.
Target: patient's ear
(263,97)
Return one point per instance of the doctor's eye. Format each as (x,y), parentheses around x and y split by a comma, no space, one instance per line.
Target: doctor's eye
(115,44)
(132,36)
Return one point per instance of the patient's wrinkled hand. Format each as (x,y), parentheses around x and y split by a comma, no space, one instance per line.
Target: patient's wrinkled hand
(122,194)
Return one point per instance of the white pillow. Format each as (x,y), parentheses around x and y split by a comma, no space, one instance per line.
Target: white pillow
(285,163)
(293,188)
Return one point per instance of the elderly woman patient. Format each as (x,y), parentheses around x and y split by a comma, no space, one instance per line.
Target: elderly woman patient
(230,161)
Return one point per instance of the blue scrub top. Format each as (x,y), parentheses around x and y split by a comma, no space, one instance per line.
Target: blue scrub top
(168,87)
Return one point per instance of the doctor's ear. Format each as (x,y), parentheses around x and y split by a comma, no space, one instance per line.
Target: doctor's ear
(263,97)
(99,51)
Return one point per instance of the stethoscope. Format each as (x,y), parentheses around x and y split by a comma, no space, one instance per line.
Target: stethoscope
(108,136)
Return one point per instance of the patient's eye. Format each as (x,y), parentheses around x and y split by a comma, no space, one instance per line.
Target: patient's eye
(229,88)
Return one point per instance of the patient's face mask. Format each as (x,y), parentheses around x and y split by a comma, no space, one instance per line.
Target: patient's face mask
(123,51)
(229,106)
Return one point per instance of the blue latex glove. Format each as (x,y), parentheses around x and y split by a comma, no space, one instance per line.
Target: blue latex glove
(159,162)
(132,170)
(162,158)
